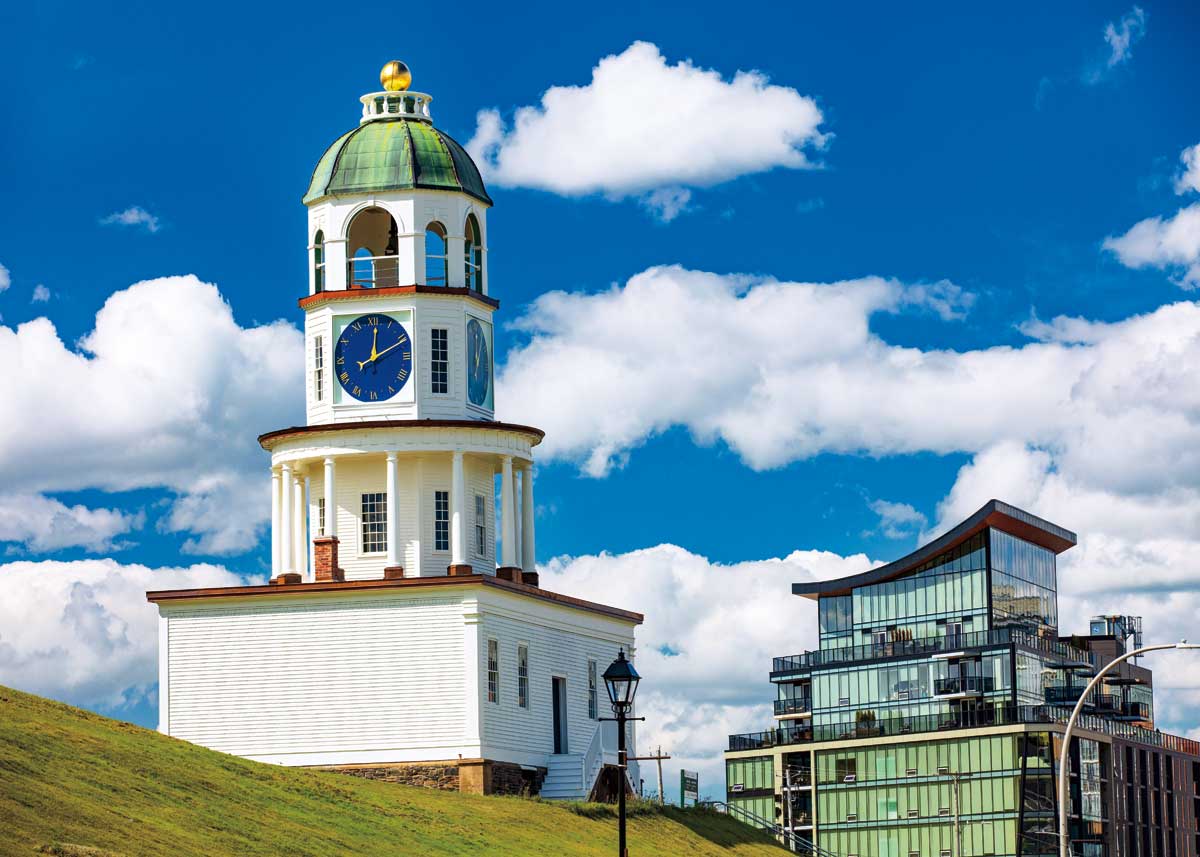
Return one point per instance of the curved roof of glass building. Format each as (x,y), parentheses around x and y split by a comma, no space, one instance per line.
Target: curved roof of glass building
(994,513)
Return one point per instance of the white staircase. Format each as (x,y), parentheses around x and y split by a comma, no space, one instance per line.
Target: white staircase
(564,778)
(572,776)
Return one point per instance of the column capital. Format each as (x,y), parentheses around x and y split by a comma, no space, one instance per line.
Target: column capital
(329,459)
(391,456)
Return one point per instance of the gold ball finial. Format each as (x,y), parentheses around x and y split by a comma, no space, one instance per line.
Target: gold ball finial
(395,76)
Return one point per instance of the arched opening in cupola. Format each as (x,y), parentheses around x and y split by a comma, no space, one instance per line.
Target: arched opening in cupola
(473,254)
(372,242)
(319,261)
(435,254)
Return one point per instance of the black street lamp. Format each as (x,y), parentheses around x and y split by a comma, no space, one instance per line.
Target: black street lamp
(621,679)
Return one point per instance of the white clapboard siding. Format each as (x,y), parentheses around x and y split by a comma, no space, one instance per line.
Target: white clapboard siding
(340,676)
(560,642)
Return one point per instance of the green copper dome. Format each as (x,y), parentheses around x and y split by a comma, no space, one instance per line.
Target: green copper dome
(395,154)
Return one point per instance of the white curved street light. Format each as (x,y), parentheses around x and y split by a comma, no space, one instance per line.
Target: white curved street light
(1064,836)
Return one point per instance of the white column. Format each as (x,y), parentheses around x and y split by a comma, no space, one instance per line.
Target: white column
(458,506)
(299,554)
(508,513)
(285,521)
(393,511)
(330,502)
(418,513)
(528,556)
(306,525)
(276,556)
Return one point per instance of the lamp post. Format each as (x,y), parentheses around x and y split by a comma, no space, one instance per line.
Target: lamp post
(621,680)
(1064,836)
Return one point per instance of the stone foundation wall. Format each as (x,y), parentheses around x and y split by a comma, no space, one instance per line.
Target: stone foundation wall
(430,775)
(477,776)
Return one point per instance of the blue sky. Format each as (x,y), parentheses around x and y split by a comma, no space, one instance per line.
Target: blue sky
(993,151)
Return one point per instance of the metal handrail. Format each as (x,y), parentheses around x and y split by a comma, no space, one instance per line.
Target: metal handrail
(797,705)
(383,272)
(924,646)
(868,727)
(797,844)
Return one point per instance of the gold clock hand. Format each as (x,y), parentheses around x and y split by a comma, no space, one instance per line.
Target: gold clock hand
(374,339)
(386,350)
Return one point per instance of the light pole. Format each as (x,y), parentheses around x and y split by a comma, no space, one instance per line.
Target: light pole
(621,680)
(1064,836)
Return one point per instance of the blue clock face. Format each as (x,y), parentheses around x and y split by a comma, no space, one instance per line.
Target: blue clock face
(479,364)
(373,358)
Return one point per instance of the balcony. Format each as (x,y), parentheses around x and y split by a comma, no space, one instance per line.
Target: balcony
(1063,695)
(791,664)
(373,272)
(1134,711)
(961,686)
(793,709)
(1049,714)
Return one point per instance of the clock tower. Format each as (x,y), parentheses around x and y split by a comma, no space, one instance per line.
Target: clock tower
(396,471)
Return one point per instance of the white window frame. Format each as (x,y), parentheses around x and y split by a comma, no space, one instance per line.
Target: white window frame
(523,675)
(480,525)
(593,691)
(441,525)
(493,671)
(319,368)
(321,515)
(439,370)
(379,499)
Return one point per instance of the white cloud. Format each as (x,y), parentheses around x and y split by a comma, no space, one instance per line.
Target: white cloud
(44,524)
(1171,244)
(41,294)
(133,216)
(897,520)
(667,203)
(166,391)
(83,631)
(1122,35)
(643,128)
(5,278)
(703,620)
(1189,178)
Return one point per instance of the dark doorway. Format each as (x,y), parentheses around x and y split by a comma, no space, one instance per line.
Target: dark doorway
(558,696)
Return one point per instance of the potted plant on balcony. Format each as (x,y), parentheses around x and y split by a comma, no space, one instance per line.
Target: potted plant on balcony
(865,724)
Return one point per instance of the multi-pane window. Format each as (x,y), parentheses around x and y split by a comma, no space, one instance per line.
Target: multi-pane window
(319,368)
(480,526)
(321,515)
(523,676)
(493,678)
(441,520)
(439,360)
(593,711)
(374,523)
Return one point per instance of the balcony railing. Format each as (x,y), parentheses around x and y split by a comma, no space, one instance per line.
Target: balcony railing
(925,646)
(962,684)
(866,727)
(1135,711)
(792,706)
(373,272)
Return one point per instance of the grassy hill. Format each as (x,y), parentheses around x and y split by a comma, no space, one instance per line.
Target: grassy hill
(72,778)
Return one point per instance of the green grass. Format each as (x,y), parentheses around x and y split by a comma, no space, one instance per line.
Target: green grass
(76,783)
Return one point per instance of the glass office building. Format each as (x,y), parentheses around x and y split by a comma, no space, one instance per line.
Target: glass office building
(927,723)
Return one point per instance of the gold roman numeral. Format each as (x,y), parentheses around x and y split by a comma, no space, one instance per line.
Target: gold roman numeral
(344,377)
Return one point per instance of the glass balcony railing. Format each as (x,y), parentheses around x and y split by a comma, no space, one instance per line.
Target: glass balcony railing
(926,646)
(868,727)
(792,706)
(957,685)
